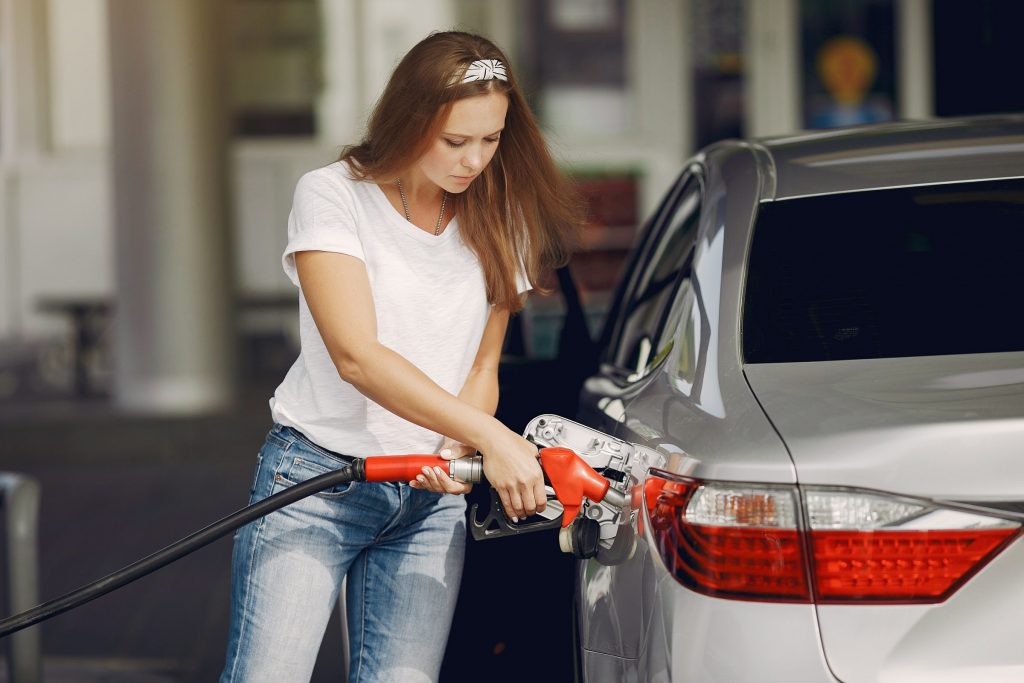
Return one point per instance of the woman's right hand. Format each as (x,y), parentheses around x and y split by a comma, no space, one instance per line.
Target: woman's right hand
(512,468)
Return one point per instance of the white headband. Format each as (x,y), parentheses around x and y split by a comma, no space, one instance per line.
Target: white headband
(485,70)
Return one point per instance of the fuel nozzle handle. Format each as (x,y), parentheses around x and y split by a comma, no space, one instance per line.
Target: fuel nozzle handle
(570,476)
(573,480)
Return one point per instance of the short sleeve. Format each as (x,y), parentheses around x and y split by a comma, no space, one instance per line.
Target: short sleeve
(323,218)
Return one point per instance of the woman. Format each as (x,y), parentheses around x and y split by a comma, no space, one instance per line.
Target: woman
(411,252)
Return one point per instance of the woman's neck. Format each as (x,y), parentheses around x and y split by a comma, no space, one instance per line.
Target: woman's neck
(418,188)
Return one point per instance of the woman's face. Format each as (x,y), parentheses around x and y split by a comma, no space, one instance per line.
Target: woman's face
(467,143)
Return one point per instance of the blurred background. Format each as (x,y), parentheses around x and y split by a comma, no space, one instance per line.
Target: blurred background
(149,150)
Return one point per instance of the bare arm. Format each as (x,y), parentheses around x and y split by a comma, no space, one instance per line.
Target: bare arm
(481,386)
(348,326)
(481,390)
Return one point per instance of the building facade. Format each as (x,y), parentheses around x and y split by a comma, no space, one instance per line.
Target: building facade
(93,90)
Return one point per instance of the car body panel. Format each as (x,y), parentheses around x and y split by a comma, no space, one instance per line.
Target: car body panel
(685,636)
(975,635)
(712,640)
(711,426)
(914,426)
(948,428)
(897,155)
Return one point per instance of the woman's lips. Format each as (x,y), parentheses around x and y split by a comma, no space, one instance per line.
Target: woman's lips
(464,178)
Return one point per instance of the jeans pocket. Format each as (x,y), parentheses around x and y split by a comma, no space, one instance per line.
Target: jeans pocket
(301,468)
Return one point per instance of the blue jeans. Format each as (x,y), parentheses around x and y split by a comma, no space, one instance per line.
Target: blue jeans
(401,548)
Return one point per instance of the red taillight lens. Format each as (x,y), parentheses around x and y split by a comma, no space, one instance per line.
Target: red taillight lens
(919,566)
(747,541)
(753,552)
(874,547)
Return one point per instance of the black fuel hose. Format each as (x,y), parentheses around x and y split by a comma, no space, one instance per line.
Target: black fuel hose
(187,545)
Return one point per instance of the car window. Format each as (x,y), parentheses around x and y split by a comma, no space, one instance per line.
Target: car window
(890,273)
(681,336)
(637,342)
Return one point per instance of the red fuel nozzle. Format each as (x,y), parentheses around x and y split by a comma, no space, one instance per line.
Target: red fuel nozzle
(572,479)
(570,476)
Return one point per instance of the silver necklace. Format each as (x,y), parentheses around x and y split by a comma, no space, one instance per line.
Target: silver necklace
(405,205)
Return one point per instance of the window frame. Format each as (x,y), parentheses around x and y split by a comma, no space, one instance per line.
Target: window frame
(653,236)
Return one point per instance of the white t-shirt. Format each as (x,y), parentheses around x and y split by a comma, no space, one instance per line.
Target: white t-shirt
(431,304)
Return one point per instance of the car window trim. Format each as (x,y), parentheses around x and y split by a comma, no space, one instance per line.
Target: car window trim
(628,280)
(653,235)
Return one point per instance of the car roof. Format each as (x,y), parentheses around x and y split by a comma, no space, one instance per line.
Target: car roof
(892,155)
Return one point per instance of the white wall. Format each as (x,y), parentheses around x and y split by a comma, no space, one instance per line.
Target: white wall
(55,235)
(65,238)
(264,176)
(58,239)
(79,81)
(395,26)
(64,243)
(379,32)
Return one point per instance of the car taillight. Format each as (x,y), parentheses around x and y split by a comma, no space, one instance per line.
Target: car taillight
(762,542)
(729,540)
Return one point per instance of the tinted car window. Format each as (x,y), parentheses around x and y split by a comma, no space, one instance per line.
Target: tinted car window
(682,337)
(645,304)
(906,272)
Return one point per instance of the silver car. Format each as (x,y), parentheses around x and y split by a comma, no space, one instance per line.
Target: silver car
(819,346)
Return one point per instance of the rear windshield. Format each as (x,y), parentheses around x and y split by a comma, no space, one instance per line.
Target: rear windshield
(908,272)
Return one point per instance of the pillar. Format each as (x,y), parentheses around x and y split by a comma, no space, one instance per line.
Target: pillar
(915,59)
(772,64)
(173,322)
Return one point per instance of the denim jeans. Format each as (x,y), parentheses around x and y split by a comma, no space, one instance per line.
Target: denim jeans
(402,550)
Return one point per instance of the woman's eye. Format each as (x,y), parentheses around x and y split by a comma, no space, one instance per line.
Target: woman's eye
(453,143)
(492,140)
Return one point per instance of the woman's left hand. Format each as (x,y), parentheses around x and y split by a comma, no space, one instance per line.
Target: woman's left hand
(436,480)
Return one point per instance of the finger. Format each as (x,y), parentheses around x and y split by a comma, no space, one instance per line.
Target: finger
(449,485)
(529,504)
(446,483)
(541,496)
(506,504)
(432,482)
(516,499)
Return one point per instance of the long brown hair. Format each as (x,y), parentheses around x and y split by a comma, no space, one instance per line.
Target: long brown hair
(520,209)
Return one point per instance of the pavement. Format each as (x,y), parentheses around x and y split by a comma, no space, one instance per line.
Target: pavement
(117,486)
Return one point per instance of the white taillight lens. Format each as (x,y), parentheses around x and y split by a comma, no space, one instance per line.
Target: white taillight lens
(723,505)
(847,510)
(754,542)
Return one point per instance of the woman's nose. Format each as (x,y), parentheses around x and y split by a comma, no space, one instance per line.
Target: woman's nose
(471,159)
